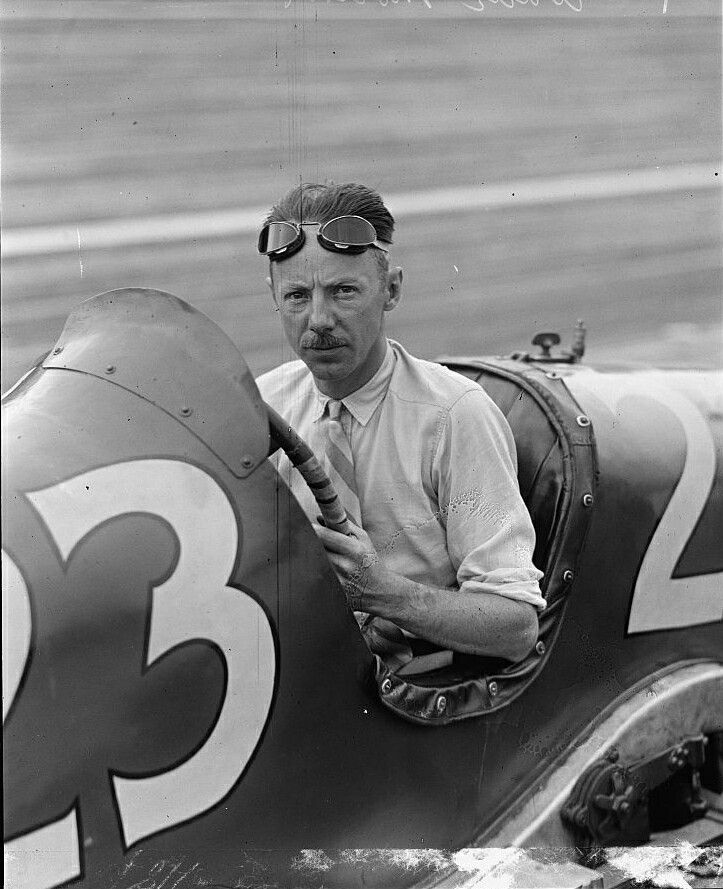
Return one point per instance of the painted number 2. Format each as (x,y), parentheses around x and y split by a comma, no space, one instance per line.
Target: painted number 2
(661,601)
(194,602)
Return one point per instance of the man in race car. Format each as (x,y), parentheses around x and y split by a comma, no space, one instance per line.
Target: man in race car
(423,459)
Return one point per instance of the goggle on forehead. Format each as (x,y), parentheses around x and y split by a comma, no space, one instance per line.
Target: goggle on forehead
(344,234)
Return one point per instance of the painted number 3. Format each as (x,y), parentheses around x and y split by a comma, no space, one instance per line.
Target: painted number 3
(194,602)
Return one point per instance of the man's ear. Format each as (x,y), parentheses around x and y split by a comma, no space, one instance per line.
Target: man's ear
(394,288)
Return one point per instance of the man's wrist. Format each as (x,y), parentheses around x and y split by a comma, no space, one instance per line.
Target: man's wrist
(372,587)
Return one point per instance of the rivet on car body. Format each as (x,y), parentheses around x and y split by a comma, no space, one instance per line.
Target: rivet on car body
(587,499)
(110,369)
(386,686)
(57,350)
(552,375)
(247,461)
(568,576)
(185,412)
(582,420)
(540,647)
(492,688)
(441,704)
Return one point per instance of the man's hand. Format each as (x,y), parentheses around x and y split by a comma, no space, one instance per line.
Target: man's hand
(471,622)
(356,563)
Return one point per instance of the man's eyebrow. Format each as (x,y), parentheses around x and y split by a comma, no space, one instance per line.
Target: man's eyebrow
(343,278)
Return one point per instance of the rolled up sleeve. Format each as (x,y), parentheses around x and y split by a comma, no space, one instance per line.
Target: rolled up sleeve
(490,536)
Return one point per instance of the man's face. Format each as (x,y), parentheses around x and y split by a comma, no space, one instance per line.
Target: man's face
(332,307)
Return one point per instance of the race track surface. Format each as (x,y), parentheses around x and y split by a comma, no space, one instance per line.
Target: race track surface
(121,112)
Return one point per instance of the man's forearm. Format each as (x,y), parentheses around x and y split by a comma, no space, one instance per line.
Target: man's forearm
(474,623)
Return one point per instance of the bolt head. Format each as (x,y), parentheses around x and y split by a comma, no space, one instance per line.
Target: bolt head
(57,350)
(110,369)
(441,704)
(587,499)
(493,688)
(386,686)
(540,647)
(568,576)
(246,461)
(185,411)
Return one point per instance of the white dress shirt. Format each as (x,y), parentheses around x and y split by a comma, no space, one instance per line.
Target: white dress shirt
(435,467)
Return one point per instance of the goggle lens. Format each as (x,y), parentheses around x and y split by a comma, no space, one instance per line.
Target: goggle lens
(349,231)
(277,236)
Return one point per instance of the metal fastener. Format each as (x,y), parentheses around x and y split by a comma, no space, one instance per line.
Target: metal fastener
(185,411)
(386,686)
(247,461)
(552,375)
(540,647)
(441,704)
(582,420)
(568,576)
(492,688)
(587,499)
(57,350)
(110,369)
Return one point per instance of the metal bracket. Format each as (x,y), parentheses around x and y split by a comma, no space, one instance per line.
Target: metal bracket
(610,804)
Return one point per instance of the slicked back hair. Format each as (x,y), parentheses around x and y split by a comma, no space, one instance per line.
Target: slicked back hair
(313,202)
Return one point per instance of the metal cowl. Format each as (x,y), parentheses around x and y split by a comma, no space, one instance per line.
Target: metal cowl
(162,349)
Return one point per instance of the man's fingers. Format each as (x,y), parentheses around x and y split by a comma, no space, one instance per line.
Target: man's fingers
(334,541)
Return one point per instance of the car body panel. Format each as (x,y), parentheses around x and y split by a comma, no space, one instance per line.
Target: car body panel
(189,685)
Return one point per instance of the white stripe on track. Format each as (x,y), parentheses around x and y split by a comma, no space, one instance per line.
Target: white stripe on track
(141,230)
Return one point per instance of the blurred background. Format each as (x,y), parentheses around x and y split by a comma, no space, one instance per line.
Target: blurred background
(546,161)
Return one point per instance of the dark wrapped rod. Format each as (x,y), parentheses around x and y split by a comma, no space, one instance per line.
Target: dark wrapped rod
(304,459)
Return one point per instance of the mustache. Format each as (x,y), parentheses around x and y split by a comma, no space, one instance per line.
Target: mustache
(316,341)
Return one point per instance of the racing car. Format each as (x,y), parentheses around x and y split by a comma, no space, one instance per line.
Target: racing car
(188,700)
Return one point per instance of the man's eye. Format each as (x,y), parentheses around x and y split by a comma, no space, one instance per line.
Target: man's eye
(346,289)
(295,296)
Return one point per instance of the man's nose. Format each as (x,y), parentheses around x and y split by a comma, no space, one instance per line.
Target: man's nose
(322,316)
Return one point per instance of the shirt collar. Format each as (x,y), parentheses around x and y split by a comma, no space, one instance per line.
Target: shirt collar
(362,403)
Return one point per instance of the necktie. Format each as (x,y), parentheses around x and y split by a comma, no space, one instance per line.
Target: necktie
(383,637)
(341,461)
